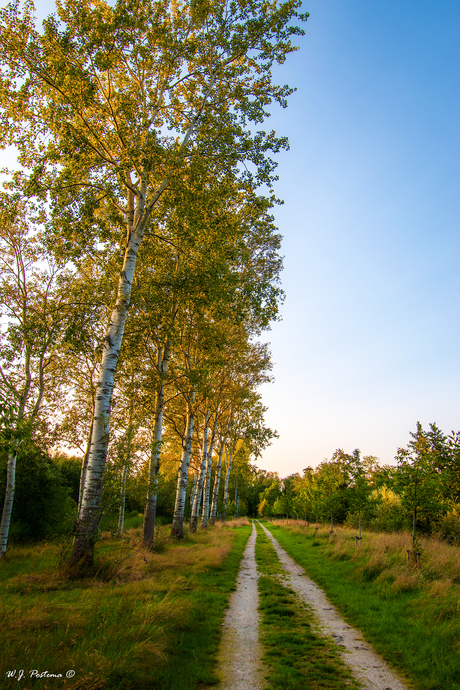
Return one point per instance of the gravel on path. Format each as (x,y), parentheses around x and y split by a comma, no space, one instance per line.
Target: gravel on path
(240,651)
(367,667)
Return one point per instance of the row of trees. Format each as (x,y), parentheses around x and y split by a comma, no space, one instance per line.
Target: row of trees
(141,259)
(421,492)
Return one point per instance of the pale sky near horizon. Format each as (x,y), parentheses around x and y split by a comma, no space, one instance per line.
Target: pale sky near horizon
(369,341)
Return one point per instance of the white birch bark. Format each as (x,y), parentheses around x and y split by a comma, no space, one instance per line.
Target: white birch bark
(207,483)
(177,528)
(121,513)
(9,497)
(88,520)
(205,496)
(228,462)
(84,466)
(199,485)
(192,493)
(148,535)
(215,490)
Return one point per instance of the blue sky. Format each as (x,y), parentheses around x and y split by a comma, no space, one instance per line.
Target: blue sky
(369,341)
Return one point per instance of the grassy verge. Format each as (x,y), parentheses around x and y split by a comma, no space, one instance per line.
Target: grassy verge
(297,656)
(410,614)
(145,620)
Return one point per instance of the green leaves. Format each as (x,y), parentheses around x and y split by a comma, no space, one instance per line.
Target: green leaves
(138,86)
(9,432)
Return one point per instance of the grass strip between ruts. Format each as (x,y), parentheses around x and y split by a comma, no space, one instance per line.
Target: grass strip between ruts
(297,655)
(410,629)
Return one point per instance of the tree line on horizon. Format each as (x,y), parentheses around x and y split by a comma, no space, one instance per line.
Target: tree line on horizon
(420,493)
(140,260)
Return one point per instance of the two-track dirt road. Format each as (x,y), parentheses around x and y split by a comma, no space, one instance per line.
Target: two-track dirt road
(240,657)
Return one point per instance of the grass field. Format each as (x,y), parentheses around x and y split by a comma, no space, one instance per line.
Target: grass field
(153,619)
(410,613)
(145,620)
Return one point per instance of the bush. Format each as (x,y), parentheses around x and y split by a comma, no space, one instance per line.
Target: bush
(383,514)
(42,504)
(448,527)
(70,469)
(133,520)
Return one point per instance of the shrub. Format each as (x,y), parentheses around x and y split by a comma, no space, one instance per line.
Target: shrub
(448,526)
(42,504)
(383,514)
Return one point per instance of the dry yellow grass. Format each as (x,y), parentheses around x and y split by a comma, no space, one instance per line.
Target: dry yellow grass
(207,549)
(125,561)
(234,522)
(385,556)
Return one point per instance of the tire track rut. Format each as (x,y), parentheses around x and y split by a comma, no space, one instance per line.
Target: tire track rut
(240,654)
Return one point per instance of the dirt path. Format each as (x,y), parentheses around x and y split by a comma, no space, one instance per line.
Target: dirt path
(367,667)
(240,652)
(240,655)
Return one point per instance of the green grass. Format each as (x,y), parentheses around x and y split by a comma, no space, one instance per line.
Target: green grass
(297,656)
(411,617)
(143,621)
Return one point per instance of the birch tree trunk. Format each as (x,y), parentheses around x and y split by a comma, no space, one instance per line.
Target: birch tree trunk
(13,455)
(151,505)
(177,528)
(84,467)
(227,479)
(9,497)
(192,493)
(215,491)
(199,485)
(207,486)
(12,459)
(154,467)
(89,516)
(121,514)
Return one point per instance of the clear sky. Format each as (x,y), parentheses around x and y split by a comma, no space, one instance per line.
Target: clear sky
(369,341)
